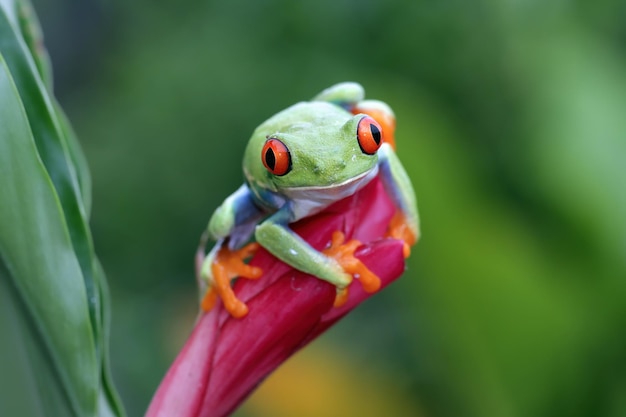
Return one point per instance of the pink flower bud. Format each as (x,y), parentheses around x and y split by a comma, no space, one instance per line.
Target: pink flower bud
(225,358)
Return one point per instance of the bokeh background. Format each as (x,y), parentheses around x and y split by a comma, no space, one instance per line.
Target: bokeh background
(511,124)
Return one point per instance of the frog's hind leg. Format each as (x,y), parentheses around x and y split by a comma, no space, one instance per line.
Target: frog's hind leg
(219,268)
(405,223)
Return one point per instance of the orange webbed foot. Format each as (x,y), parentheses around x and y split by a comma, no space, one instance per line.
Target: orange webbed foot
(229,264)
(343,253)
(399,229)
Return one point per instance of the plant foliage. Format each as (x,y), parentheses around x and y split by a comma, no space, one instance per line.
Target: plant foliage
(53,306)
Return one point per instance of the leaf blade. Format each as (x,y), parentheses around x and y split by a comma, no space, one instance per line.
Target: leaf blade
(53,151)
(36,248)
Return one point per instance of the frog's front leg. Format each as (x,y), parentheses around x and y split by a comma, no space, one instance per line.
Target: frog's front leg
(231,226)
(405,224)
(336,264)
(220,267)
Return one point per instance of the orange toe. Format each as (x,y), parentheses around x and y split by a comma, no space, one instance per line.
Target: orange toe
(343,253)
(399,229)
(209,299)
(341,297)
(229,264)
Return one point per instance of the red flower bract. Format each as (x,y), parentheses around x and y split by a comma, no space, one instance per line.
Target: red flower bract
(226,358)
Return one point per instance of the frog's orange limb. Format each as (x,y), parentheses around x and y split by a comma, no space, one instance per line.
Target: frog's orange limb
(341,297)
(399,229)
(343,253)
(386,120)
(229,264)
(209,299)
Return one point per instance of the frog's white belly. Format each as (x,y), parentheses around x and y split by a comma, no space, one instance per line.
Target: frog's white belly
(306,201)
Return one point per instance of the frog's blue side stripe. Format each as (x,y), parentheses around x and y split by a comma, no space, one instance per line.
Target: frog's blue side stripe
(391,186)
(239,214)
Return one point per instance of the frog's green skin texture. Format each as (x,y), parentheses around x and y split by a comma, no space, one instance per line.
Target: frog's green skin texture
(327,165)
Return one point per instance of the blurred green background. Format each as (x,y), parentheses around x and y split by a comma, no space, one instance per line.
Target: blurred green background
(511,123)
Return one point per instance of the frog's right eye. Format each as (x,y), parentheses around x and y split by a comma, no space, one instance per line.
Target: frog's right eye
(276,157)
(370,135)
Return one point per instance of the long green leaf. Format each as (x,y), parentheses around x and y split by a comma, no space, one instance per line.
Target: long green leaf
(54,154)
(77,171)
(57,142)
(36,248)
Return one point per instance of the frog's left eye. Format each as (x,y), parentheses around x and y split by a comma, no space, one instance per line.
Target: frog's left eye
(370,135)
(276,157)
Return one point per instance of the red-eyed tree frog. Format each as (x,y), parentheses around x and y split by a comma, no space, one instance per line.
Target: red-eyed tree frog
(297,163)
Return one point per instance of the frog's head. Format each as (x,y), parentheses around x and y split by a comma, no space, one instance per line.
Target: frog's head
(312,144)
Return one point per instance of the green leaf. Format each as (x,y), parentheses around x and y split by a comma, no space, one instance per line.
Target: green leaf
(31,32)
(29,383)
(77,157)
(53,150)
(39,256)
(110,400)
(22,43)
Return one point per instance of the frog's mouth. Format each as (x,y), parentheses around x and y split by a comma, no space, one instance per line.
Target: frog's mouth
(309,200)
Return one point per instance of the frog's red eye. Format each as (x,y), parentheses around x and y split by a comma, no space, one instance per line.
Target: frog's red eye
(370,135)
(276,157)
